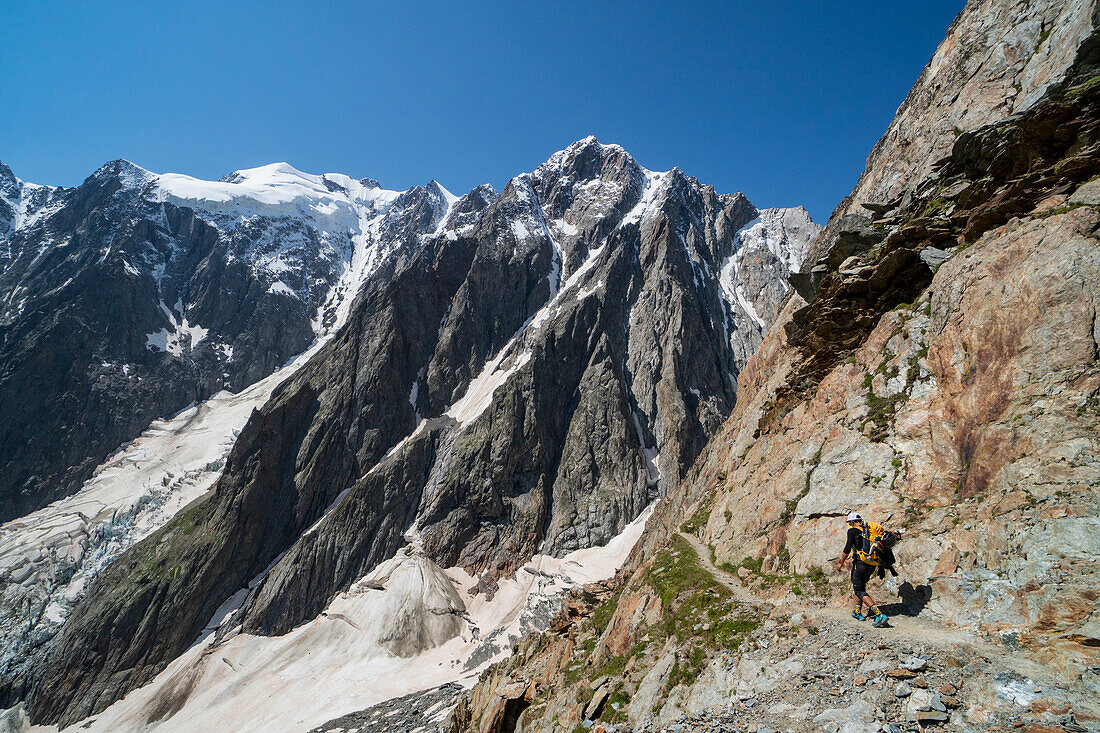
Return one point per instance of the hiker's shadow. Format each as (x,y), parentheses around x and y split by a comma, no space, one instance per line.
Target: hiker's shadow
(913,600)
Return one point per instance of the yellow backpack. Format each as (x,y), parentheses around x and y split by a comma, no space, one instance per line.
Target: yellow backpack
(876,540)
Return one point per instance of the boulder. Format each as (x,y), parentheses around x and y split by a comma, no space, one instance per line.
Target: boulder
(856,718)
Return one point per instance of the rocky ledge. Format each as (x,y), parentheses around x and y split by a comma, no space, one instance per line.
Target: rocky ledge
(420,712)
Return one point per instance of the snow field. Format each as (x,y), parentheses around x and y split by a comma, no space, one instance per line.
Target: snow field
(342,660)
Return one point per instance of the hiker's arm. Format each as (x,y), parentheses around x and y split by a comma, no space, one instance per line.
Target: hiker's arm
(848,545)
(840,562)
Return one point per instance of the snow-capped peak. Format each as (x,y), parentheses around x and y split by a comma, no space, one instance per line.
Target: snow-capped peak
(130,175)
(21,203)
(274,172)
(449,197)
(586,149)
(268,188)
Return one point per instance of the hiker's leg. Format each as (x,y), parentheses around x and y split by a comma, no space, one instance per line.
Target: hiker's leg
(860,575)
(878,618)
(859,585)
(857,609)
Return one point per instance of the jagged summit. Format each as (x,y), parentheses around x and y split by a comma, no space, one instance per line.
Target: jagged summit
(128,174)
(588,159)
(531,370)
(6,173)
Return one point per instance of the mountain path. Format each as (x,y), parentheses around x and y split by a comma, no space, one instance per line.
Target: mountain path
(913,628)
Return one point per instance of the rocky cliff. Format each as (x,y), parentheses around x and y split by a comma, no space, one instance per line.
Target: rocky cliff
(937,370)
(520,381)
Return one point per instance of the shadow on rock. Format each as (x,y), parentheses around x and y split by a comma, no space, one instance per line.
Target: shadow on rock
(913,600)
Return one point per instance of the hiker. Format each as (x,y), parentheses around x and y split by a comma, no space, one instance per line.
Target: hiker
(873,550)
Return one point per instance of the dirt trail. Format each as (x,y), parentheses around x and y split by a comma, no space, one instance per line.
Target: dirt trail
(915,628)
(732,582)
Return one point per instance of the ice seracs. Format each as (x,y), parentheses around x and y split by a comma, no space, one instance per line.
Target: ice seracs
(49,557)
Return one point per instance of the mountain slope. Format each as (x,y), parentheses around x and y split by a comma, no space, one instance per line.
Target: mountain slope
(941,376)
(134,295)
(523,381)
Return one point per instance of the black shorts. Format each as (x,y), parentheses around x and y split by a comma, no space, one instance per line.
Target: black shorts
(861,573)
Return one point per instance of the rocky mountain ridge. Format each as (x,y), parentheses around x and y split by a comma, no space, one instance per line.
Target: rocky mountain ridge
(135,295)
(519,381)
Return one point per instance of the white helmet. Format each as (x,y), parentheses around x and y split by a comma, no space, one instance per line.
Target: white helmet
(854,517)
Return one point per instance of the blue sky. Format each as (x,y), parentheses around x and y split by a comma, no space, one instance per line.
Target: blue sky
(781,100)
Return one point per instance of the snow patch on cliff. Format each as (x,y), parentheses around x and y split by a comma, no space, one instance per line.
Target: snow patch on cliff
(137,490)
(408,625)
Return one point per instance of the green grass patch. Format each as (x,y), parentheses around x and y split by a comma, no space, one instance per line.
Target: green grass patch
(881,410)
(695,607)
(687,671)
(618,699)
(698,520)
(677,572)
(601,617)
(912,516)
(1082,89)
(814,581)
(613,667)
(934,207)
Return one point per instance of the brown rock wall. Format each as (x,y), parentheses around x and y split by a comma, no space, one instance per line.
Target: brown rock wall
(993,372)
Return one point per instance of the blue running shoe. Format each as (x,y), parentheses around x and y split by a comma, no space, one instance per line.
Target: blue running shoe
(858,616)
(879,621)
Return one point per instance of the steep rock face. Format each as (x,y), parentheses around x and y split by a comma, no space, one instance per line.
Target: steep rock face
(999,58)
(523,382)
(941,376)
(48,559)
(134,295)
(285,468)
(965,413)
(755,276)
